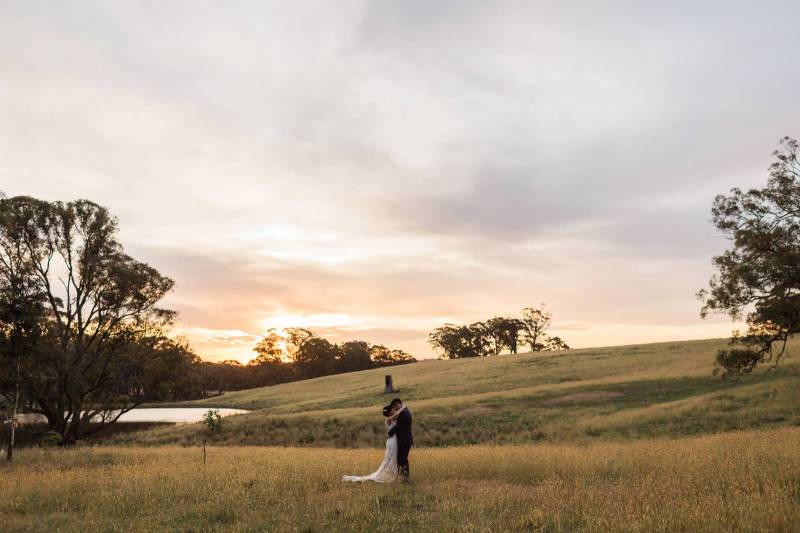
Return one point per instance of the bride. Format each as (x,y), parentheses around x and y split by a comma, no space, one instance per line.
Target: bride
(387,472)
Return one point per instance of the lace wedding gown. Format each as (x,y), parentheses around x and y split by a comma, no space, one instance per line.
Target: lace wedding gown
(387,472)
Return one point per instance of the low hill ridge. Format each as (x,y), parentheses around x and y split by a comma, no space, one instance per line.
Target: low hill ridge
(634,391)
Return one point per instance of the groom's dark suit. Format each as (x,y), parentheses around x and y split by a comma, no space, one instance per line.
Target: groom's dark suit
(405,440)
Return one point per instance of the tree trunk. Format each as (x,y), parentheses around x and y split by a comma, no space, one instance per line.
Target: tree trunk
(70,431)
(10,452)
(389,387)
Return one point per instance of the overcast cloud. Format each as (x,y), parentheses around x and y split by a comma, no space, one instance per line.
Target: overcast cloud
(373,169)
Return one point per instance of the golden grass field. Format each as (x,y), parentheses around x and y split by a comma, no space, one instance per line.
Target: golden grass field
(740,481)
(633,438)
(617,393)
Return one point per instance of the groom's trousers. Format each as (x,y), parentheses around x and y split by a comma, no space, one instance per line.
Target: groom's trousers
(402,460)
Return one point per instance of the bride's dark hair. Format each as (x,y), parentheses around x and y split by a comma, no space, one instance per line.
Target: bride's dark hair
(387,410)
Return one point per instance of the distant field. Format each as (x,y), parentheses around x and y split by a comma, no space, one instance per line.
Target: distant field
(634,438)
(618,393)
(744,481)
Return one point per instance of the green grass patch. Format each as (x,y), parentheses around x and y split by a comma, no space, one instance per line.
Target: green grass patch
(627,392)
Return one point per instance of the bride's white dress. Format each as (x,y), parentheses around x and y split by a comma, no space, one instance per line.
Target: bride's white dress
(387,472)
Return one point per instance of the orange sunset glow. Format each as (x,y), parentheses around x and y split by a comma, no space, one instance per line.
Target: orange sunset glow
(378,175)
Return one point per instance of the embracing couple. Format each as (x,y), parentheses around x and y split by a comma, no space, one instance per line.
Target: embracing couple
(397,419)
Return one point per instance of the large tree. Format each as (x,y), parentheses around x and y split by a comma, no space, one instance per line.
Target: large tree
(478,339)
(22,317)
(185,373)
(758,278)
(270,349)
(535,323)
(269,365)
(535,326)
(491,334)
(354,355)
(458,342)
(99,347)
(505,333)
(312,356)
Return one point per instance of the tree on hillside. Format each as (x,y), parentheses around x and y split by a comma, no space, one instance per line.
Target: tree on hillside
(535,324)
(354,355)
(383,356)
(444,339)
(99,346)
(456,342)
(401,357)
(480,339)
(269,365)
(506,333)
(270,349)
(490,334)
(758,278)
(555,343)
(295,339)
(312,356)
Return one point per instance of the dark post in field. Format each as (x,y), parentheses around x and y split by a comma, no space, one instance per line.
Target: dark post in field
(389,387)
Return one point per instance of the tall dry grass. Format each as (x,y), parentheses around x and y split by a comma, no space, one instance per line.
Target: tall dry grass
(743,481)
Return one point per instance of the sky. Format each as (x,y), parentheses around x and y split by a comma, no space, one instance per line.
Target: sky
(372,170)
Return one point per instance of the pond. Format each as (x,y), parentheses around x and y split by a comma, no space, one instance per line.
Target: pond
(177,415)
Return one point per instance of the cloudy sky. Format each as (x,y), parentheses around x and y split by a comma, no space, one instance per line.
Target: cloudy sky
(374,169)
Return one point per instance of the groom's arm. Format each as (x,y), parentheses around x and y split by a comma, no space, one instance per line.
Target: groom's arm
(402,422)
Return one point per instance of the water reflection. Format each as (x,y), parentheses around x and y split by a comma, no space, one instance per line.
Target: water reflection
(177,415)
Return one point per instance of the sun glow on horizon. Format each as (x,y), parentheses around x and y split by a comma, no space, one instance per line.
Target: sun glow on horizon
(379,186)
(281,322)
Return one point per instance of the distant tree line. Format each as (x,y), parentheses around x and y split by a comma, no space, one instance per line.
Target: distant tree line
(495,335)
(300,354)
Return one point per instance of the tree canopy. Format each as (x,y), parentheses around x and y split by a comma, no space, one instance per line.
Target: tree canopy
(491,337)
(758,277)
(78,316)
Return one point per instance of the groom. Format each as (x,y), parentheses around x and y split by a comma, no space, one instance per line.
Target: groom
(404,437)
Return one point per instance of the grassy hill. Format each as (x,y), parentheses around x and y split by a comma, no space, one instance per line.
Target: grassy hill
(607,439)
(615,393)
